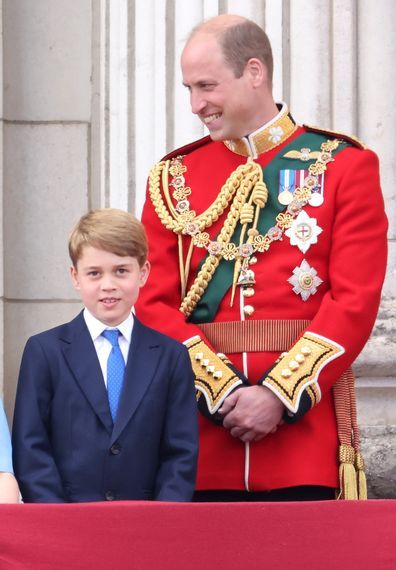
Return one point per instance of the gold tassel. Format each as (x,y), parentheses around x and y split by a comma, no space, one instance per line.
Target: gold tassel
(347,473)
(361,476)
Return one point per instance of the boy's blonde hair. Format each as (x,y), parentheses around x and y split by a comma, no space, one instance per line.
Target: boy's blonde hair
(112,230)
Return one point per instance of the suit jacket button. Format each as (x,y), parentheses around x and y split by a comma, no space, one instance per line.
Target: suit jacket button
(115,448)
(109,496)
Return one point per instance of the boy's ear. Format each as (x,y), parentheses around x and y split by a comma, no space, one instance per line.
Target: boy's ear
(144,273)
(74,277)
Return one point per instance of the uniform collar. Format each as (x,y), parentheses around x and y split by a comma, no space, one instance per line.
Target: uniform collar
(267,137)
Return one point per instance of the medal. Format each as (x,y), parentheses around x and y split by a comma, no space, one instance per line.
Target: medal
(303,232)
(285,197)
(316,199)
(305,280)
(286,187)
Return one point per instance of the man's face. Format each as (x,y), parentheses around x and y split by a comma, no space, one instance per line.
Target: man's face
(227,105)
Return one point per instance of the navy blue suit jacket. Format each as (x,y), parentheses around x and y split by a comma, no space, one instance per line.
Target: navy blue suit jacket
(65,446)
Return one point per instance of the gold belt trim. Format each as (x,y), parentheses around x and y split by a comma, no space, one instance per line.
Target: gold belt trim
(275,335)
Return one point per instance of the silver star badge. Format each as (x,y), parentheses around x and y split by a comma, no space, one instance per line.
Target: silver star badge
(305,280)
(303,232)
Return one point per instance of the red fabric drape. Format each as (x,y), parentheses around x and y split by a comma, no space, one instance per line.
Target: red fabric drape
(148,536)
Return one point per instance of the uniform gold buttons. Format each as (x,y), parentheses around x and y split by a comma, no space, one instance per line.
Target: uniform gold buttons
(286,373)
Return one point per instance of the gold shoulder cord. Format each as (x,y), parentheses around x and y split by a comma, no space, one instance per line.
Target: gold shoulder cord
(239,185)
(177,221)
(240,210)
(170,222)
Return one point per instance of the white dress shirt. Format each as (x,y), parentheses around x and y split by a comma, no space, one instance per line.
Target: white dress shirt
(102,345)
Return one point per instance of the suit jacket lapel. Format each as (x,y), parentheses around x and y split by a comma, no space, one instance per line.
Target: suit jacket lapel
(143,359)
(79,352)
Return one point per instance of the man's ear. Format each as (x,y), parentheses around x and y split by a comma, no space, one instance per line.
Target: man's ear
(257,72)
(74,277)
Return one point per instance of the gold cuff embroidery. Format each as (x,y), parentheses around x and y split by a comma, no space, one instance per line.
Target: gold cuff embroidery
(213,378)
(299,369)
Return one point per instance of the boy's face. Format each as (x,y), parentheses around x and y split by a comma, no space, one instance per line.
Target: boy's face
(108,284)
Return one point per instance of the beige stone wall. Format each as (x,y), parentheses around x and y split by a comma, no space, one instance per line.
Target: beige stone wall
(91,97)
(46,81)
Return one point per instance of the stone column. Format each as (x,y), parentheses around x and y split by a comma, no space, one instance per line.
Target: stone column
(47,111)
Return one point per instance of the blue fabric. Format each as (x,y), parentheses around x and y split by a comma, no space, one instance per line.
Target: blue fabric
(115,371)
(5,443)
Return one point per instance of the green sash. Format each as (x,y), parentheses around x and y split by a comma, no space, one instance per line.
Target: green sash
(207,307)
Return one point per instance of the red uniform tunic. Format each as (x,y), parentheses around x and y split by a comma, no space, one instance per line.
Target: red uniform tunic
(349,257)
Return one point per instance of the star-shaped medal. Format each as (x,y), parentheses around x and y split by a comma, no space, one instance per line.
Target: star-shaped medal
(305,280)
(303,232)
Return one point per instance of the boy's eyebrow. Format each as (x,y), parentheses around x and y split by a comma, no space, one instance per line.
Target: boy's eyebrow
(117,266)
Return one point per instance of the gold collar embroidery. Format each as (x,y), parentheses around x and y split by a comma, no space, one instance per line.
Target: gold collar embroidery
(267,137)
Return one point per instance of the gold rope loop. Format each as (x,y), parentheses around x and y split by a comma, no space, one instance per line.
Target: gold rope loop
(260,194)
(247,214)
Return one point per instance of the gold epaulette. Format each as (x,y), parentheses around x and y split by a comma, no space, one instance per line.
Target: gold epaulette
(213,378)
(342,136)
(299,368)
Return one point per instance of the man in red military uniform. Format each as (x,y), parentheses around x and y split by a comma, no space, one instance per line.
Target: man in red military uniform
(268,253)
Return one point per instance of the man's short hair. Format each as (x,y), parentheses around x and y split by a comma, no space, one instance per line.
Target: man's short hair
(244,41)
(112,230)
(240,39)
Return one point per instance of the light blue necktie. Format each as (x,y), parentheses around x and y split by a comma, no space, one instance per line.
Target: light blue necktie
(115,371)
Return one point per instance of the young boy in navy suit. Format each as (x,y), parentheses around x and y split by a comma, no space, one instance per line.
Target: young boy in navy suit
(105,406)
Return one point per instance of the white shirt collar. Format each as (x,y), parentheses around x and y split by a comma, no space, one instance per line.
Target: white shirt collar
(96,327)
